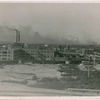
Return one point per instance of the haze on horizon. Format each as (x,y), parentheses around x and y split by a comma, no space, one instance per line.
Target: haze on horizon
(54,22)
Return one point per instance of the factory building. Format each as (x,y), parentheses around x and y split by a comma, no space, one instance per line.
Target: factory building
(41,53)
(6,52)
(6,55)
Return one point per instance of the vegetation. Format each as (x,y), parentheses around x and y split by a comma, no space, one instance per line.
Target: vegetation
(69,70)
(79,79)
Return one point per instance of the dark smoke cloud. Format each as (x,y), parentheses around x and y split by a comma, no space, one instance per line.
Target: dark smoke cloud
(54,22)
(8,34)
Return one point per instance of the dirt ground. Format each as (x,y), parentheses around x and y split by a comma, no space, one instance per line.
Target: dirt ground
(33,80)
(25,77)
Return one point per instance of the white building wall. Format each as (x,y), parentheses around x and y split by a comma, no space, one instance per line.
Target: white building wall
(6,55)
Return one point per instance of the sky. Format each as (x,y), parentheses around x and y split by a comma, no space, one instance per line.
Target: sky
(51,20)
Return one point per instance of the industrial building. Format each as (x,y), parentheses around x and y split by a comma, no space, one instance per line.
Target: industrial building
(6,52)
(6,55)
(40,54)
(44,52)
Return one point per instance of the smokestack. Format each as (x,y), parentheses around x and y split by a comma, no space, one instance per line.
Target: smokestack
(17,36)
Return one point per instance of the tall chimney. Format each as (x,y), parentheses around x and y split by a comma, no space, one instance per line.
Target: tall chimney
(17,36)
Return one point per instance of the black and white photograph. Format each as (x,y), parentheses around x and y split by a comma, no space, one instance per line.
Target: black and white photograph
(49,49)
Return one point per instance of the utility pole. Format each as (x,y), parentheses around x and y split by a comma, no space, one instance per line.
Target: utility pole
(94,62)
(88,71)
